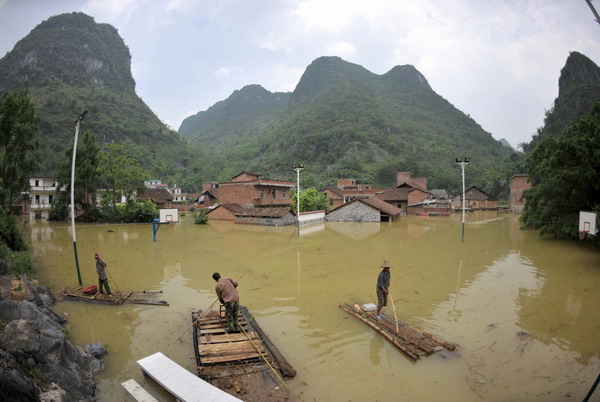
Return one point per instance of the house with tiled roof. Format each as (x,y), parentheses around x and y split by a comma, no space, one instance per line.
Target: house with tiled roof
(348,190)
(475,198)
(266,216)
(403,195)
(160,196)
(249,190)
(363,210)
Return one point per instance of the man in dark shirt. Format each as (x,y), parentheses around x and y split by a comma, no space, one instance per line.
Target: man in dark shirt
(225,289)
(383,285)
(102,279)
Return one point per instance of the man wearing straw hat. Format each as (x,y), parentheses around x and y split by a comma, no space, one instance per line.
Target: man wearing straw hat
(102,279)
(383,286)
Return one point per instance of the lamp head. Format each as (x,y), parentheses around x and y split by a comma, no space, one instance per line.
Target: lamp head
(467,160)
(458,160)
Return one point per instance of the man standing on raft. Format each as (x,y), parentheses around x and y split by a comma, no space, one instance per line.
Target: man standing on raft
(383,285)
(225,289)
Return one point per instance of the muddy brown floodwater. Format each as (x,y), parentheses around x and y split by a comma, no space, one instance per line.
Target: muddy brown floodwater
(524,311)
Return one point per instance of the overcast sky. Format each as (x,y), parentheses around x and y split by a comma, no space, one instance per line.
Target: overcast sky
(497,61)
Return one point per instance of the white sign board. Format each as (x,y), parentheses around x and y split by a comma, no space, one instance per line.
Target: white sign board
(168,215)
(587,222)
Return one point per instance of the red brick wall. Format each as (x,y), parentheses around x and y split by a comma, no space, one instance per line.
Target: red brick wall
(245,177)
(420,182)
(244,194)
(346,183)
(221,213)
(517,185)
(403,177)
(416,196)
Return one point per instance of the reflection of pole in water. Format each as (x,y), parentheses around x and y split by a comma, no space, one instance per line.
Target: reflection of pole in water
(298,263)
(456,290)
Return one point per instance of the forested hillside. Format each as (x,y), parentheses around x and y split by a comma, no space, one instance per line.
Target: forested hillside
(578,91)
(70,63)
(343,121)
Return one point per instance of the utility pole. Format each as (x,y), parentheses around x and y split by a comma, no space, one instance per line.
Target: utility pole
(77,124)
(589,2)
(298,168)
(462,164)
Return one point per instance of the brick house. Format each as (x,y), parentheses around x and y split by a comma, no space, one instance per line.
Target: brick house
(403,195)
(363,210)
(248,190)
(348,190)
(407,177)
(518,184)
(224,212)
(160,196)
(475,198)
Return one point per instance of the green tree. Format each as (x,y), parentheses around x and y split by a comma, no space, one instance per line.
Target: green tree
(310,200)
(121,173)
(18,126)
(86,178)
(565,176)
(200,217)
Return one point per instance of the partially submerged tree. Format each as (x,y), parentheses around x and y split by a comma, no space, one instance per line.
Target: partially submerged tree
(18,125)
(565,174)
(310,200)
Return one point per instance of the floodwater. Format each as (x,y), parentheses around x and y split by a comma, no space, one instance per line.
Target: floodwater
(524,311)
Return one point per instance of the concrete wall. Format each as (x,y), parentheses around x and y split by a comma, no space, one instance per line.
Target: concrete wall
(307,218)
(354,212)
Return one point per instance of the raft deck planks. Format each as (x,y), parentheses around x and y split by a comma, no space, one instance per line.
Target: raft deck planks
(117,298)
(216,346)
(413,342)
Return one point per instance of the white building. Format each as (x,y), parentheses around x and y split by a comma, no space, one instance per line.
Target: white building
(42,193)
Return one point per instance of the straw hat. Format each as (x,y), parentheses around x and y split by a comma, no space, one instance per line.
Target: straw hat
(386,264)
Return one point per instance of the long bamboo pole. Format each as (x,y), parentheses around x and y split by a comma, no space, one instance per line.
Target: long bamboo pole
(205,311)
(394,308)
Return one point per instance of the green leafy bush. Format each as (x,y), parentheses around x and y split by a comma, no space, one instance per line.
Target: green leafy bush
(200,217)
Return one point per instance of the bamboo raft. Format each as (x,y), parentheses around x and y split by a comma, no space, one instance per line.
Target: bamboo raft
(410,340)
(118,298)
(239,363)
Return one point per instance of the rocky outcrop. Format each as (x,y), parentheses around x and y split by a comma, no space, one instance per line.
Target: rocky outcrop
(37,361)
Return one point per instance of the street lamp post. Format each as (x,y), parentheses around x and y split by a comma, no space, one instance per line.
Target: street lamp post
(77,124)
(463,162)
(298,168)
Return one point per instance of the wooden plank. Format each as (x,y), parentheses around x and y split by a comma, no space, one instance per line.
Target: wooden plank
(211,338)
(230,348)
(229,358)
(136,390)
(218,325)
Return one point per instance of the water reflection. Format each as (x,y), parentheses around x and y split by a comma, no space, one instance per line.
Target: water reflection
(518,306)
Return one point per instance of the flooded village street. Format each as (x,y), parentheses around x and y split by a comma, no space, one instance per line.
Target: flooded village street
(523,311)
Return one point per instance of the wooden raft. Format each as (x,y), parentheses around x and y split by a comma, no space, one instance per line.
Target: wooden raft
(216,346)
(412,341)
(118,298)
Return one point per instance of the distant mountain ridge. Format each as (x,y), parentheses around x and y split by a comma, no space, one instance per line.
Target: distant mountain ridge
(70,63)
(343,121)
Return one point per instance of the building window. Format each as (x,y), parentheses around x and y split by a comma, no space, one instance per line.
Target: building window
(283,194)
(37,199)
(330,203)
(37,183)
(274,193)
(50,199)
(261,193)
